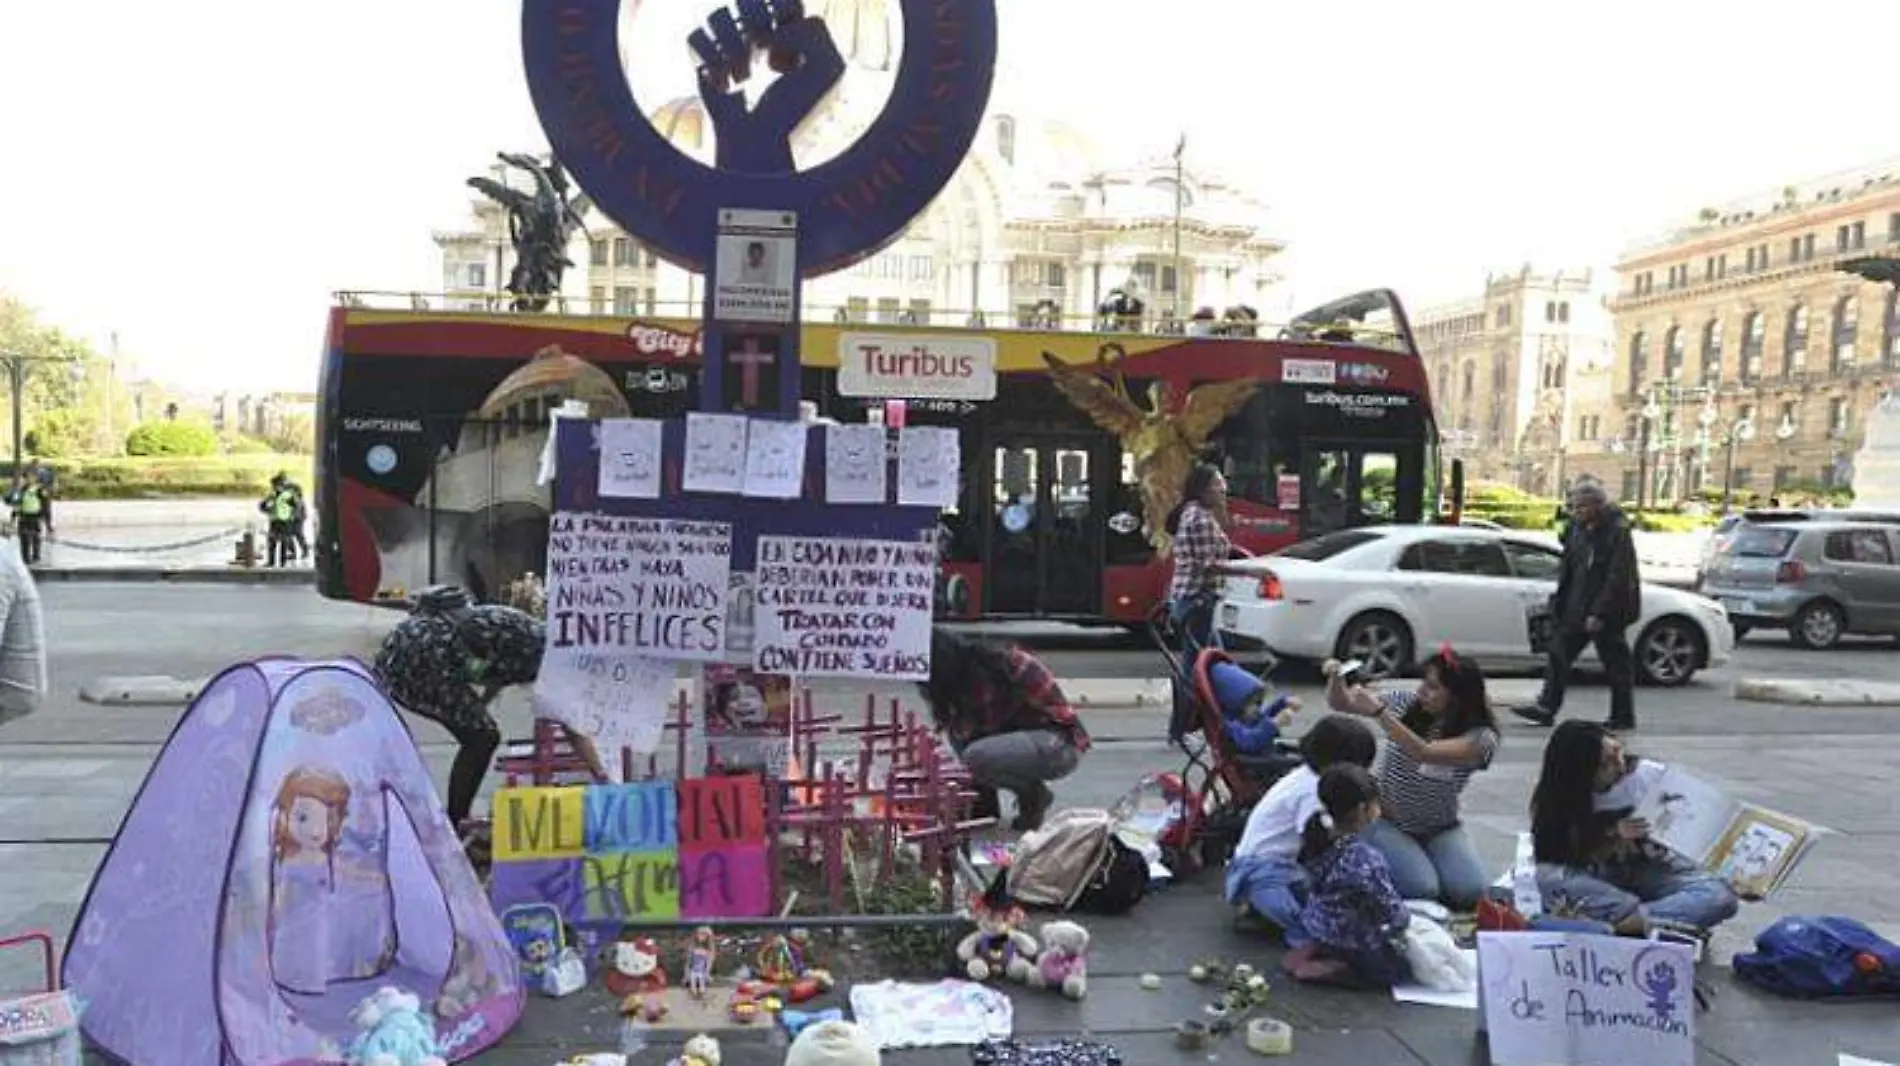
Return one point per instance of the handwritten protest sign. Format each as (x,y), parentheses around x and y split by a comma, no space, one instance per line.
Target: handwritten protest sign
(618,699)
(1571,999)
(653,587)
(829,607)
(656,850)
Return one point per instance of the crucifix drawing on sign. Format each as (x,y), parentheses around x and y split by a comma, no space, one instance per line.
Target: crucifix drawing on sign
(753,363)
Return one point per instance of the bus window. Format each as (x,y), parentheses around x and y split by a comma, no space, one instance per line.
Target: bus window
(1255,449)
(1378,486)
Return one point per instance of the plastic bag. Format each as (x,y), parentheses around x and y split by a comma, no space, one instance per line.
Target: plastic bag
(1435,958)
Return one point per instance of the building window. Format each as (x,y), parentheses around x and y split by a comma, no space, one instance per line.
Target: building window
(1550,311)
(1807,247)
(478,275)
(650,299)
(1842,234)
(1794,249)
(1794,356)
(1746,414)
(919,312)
(1712,352)
(1006,138)
(1837,417)
(623,252)
(1639,361)
(1893,228)
(1754,334)
(626,300)
(1504,315)
(1789,417)
(1645,283)
(1471,375)
(1167,279)
(1630,485)
(1563,311)
(597,300)
(1749,262)
(888,309)
(597,251)
(1743,481)
(1860,236)
(857,309)
(1846,331)
(1672,353)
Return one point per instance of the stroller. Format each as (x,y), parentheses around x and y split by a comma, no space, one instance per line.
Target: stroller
(1219,785)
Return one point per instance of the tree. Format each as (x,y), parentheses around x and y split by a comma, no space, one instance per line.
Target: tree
(71,401)
(294,435)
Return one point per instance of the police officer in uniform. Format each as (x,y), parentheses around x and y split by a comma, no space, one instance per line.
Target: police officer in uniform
(32,517)
(280,509)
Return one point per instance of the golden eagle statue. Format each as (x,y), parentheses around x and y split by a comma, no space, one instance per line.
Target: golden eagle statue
(1163,441)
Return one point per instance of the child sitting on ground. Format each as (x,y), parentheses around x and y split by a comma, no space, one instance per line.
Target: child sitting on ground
(1252,723)
(1264,878)
(1354,913)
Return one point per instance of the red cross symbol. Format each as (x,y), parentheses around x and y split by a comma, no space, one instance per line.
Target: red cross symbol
(750,358)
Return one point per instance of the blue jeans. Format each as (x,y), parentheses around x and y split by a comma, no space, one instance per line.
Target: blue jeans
(1193,616)
(1673,890)
(1275,889)
(1443,867)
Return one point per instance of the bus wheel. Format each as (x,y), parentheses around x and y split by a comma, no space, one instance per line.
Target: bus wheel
(1380,640)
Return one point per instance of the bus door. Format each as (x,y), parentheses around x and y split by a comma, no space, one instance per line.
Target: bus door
(1344,484)
(1046,519)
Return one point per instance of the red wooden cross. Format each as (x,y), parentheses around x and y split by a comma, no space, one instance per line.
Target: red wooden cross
(750,358)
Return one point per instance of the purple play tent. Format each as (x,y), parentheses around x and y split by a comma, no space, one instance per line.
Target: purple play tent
(286,857)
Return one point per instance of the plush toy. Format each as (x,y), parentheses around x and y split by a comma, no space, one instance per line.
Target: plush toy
(834,1044)
(1064,962)
(636,969)
(393,1031)
(701,1050)
(997,947)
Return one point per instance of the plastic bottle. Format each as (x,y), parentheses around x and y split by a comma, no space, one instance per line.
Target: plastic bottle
(1524,895)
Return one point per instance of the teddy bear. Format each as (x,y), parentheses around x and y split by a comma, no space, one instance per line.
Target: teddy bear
(1064,962)
(393,1032)
(997,947)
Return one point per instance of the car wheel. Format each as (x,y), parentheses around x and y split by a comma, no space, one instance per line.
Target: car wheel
(1669,652)
(1818,627)
(1380,640)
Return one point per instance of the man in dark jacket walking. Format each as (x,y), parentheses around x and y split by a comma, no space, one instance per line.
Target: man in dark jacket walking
(1599,596)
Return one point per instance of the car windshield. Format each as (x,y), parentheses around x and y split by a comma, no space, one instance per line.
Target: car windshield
(1764,542)
(1320,549)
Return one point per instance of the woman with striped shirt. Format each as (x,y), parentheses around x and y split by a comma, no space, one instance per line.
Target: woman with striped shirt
(1437,737)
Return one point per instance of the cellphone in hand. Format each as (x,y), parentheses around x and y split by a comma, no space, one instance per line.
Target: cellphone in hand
(1352,672)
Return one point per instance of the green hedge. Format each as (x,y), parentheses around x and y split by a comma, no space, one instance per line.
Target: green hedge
(147,476)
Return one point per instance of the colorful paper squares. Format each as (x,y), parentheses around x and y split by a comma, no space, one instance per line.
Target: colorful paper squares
(636,817)
(556,882)
(730,882)
(632,886)
(539,823)
(719,812)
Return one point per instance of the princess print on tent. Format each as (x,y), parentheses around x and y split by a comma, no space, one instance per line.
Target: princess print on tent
(324,926)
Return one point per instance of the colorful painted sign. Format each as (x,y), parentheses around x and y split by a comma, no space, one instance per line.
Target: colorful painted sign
(649,851)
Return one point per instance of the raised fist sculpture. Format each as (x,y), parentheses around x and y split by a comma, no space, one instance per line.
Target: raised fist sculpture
(799,48)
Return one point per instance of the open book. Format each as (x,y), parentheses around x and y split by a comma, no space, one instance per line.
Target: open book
(1753,848)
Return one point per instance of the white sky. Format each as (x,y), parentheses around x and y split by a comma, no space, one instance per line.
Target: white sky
(200,175)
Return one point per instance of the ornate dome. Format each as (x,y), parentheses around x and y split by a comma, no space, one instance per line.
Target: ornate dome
(554,373)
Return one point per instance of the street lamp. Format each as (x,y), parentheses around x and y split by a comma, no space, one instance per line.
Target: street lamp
(1785,430)
(16,363)
(1740,433)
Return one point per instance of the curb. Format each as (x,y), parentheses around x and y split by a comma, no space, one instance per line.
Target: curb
(180,575)
(1819,692)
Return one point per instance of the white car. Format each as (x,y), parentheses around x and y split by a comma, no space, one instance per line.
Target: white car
(1390,595)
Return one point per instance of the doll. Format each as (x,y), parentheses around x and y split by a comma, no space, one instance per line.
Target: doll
(700,957)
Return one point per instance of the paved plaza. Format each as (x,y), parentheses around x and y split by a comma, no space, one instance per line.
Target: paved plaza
(68,773)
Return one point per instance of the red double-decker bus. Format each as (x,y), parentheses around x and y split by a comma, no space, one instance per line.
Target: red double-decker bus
(433,427)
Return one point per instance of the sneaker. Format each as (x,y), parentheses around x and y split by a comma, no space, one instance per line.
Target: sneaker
(1536,715)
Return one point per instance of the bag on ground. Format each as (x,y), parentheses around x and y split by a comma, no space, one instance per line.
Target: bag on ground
(1816,958)
(1075,862)
(1435,958)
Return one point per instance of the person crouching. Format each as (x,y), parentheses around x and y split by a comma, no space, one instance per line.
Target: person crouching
(1007,719)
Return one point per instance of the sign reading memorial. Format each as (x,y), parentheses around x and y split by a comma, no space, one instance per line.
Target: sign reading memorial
(1572,999)
(651,851)
(831,607)
(654,587)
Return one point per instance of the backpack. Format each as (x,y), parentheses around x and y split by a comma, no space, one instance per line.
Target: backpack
(1075,862)
(1814,958)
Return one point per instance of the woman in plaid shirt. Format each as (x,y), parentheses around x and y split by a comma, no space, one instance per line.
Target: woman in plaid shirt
(1199,544)
(1008,720)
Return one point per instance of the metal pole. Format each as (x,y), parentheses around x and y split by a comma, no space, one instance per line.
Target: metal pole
(16,369)
(1642,464)
(1180,198)
(1728,473)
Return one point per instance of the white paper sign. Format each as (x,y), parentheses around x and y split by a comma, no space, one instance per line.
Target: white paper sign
(856,464)
(630,452)
(715,453)
(653,587)
(830,607)
(775,458)
(618,699)
(929,458)
(1571,999)
(755,266)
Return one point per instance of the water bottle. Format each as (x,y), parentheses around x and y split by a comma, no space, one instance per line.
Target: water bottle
(1524,895)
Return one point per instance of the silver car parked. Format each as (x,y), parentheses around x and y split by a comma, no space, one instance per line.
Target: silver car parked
(1819,580)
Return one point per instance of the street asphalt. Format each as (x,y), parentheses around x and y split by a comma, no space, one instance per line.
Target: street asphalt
(68,773)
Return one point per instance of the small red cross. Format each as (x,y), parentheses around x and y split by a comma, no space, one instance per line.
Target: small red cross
(750,358)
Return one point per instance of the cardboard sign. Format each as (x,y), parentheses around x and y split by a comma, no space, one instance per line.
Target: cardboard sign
(829,607)
(654,587)
(1571,999)
(656,850)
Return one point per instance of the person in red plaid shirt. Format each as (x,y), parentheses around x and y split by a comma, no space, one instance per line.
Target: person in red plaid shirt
(1008,720)
(1199,545)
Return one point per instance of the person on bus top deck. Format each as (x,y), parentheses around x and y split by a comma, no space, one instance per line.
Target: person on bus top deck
(448,661)
(1197,526)
(1008,720)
